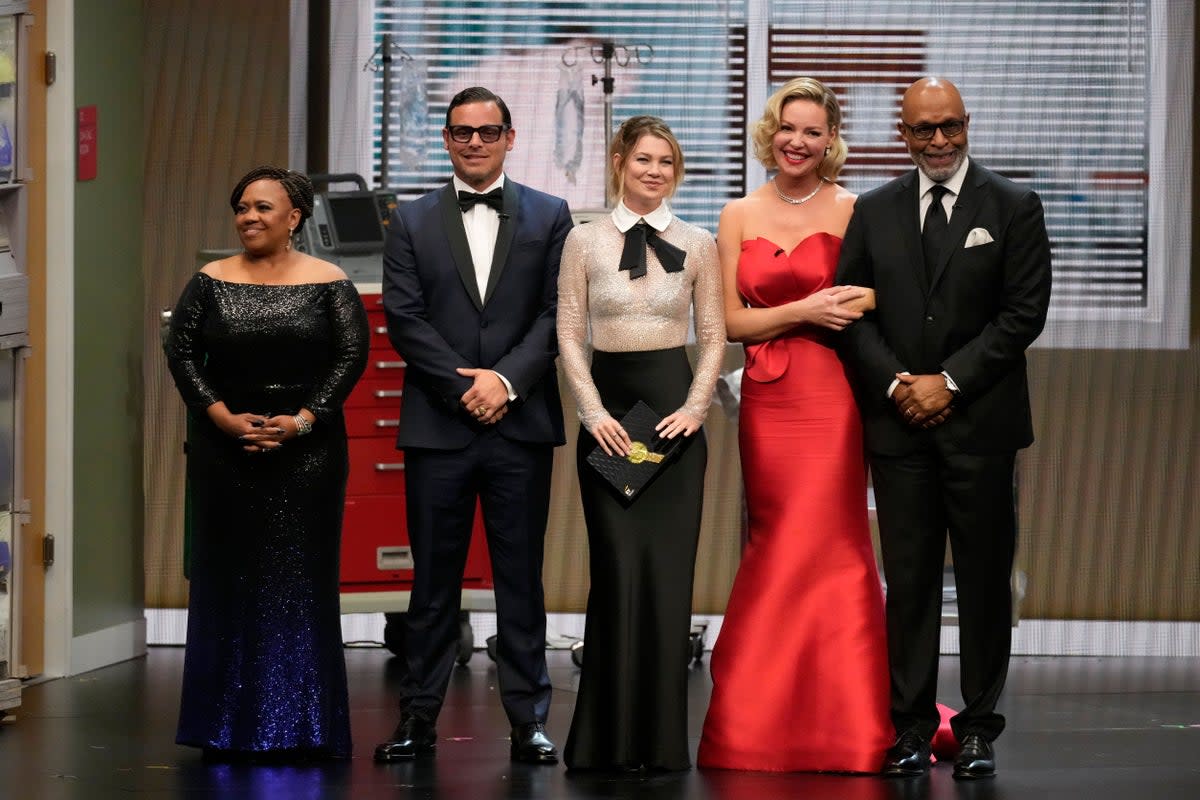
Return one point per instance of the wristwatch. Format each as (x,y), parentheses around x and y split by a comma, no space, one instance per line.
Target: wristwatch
(952,388)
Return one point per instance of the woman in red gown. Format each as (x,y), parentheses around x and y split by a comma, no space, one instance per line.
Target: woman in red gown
(800,680)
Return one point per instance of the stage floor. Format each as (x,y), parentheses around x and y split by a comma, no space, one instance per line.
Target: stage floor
(1081,727)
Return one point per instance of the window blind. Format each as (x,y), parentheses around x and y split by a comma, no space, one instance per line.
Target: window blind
(683,61)
(1087,102)
(1056,93)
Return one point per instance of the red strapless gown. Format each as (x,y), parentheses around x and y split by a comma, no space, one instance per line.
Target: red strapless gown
(800,675)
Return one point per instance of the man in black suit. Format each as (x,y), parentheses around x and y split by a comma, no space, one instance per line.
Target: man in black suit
(470,289)
(960,263)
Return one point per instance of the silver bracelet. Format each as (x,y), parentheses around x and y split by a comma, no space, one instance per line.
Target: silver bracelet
(303,426)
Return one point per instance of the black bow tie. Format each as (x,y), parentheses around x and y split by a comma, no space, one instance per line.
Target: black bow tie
(633,256)
(494,199)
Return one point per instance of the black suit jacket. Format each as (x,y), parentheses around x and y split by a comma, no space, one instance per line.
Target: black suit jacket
(985,306)
(437,320)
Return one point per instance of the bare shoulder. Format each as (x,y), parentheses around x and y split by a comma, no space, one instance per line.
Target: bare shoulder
(222,268)
(843,196)
(749,210)
(760,199)
(733,215)
(733,210)
(842,208)
(316,270)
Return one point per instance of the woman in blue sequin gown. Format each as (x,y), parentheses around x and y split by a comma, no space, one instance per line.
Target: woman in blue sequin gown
(264,347)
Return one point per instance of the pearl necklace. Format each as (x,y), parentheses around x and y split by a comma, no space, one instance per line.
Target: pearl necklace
(792,200)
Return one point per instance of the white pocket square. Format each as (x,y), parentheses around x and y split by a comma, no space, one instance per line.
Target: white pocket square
(978,236)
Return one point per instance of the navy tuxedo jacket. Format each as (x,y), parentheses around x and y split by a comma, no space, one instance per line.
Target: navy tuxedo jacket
(438,321)
(986,304)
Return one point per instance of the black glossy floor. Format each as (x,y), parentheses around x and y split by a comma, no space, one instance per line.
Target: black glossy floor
(1095,728)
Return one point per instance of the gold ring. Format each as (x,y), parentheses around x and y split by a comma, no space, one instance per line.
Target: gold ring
(479,412)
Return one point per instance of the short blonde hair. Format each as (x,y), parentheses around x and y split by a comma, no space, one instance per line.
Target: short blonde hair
(812,90)
(627,137)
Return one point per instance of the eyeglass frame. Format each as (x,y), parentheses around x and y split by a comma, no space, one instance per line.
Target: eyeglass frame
(934,127)
(471,131)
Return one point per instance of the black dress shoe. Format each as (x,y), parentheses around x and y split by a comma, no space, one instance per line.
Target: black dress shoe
(975,759)
(908,757)
(413,738)
(530,745)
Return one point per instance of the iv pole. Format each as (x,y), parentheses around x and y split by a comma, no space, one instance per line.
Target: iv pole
(384,64)
(605,53)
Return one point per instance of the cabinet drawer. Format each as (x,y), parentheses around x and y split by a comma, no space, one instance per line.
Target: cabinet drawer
(384,366)
(375,546)
(382,396)
(376,467)
(379,335)
(362,422)
(375,541)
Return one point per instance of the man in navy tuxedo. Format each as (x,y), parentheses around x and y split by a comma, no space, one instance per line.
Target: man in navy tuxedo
(960,263)
(470,289)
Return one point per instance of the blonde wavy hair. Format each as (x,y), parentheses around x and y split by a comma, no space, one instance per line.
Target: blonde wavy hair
(812,90)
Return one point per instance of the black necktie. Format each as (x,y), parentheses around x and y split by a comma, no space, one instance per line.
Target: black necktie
(633,256)
(494,198)
(933,235)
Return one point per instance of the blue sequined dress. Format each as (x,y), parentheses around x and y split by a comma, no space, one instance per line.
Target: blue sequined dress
(264,671)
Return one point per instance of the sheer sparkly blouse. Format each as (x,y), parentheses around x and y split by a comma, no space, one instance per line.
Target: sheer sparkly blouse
(649,313)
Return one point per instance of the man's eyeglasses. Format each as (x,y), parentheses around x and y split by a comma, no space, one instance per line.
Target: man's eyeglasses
(925,131)
(487,133)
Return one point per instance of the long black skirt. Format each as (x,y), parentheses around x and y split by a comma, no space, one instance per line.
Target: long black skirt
(631,711)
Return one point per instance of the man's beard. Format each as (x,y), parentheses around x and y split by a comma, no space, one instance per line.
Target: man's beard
(940,174)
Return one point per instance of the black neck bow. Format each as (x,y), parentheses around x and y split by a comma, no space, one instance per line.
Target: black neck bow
(633,256)
(494,199)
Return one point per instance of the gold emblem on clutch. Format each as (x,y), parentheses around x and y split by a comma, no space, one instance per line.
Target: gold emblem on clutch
(638,453)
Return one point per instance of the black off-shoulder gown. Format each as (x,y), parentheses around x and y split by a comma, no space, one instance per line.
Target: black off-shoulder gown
(264,670)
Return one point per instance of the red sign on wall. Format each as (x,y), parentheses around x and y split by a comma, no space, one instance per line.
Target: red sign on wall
(87,144)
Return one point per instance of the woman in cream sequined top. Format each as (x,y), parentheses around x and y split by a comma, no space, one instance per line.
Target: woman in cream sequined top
(634,279)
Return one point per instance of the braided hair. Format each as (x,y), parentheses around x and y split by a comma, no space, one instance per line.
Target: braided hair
(297,185)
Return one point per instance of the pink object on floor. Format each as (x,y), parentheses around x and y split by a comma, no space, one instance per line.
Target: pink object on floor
(945,747)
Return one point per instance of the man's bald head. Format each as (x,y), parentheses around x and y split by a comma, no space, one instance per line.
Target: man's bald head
(932,91)
(933,124)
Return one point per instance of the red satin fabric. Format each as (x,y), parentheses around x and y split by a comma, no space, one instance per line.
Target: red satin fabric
(800,677)
(945,744)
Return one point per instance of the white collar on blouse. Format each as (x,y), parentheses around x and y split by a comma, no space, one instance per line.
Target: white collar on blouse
(625,219)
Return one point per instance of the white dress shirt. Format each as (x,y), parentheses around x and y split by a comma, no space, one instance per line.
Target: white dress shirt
(482,223)
(953,183)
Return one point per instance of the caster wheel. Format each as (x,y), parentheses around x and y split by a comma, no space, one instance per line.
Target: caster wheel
(393,632)
(466,639)
(577,653)
(491,647)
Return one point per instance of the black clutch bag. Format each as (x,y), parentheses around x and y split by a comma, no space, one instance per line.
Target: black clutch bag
(648,457)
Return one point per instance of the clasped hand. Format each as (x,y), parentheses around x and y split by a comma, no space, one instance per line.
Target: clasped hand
(256,432)
(923,400)
(614,440)
(487,399)
(832,308)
